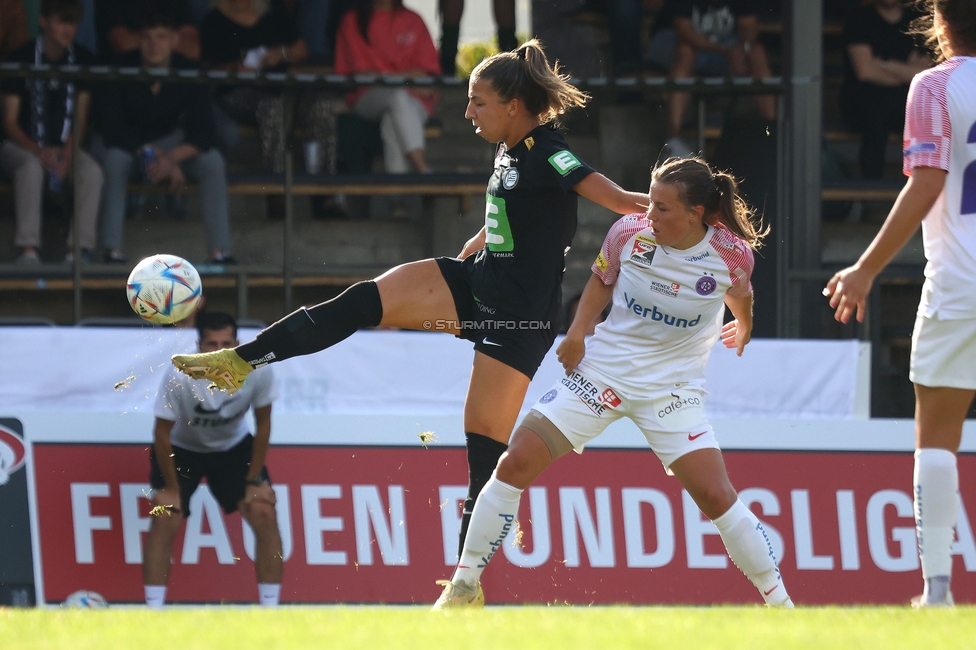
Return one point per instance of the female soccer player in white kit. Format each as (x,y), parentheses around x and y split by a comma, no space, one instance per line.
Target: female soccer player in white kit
(940,162)
(670,273)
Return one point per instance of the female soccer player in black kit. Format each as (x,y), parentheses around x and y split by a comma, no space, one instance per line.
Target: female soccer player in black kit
(506,279)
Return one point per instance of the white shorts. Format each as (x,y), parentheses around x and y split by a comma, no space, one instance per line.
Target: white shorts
(944,353)
(673,421)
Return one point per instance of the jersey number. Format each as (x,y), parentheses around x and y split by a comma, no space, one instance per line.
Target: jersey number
(498,231)
(969,179)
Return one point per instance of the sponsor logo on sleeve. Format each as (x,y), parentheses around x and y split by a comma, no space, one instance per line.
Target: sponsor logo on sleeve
(601,262)
(920,147)
(643,250)
(564,162)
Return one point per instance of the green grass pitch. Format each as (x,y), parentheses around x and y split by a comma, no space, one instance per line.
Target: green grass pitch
(560,628)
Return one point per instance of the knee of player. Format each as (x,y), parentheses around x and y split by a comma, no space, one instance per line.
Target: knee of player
(517,468)
(260,514)
(714,500)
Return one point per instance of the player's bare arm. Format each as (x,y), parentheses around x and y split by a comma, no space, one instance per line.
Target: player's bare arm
(848,289)
(474,244)
(595,297)
(169,495)
(601,190)
(738,332)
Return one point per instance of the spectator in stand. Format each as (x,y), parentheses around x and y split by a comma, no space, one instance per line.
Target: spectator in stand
(624,25)
(117,23)
(384,37)
(13,27)
(163,130)
(881,59)
(713,38)
(252,35)
(39,120)
(451,12)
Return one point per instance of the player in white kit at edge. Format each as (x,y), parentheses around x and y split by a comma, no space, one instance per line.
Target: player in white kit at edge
(670,274)
(940,162)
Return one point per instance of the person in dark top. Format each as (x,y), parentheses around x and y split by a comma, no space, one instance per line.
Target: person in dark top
(117,26)
(881,58)
(252,35)
(713,38)
(163,130)
(39,121)
(502,292)
(13,27)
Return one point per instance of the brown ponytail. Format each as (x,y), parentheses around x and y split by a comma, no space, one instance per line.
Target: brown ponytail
(959,17)
(525,74)
(716,192)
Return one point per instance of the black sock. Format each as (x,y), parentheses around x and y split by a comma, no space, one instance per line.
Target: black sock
(506,39)
(483,455)
(449,48)
(306,331)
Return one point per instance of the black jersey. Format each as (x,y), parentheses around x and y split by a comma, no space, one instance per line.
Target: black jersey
(530,220)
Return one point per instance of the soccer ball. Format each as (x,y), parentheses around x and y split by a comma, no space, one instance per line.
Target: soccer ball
(85,600)
(164,289)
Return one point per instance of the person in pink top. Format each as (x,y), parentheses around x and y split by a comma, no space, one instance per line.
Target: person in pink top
(384,37)
(940,195)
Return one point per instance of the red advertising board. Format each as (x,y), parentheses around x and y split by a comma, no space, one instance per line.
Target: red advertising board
(378,525)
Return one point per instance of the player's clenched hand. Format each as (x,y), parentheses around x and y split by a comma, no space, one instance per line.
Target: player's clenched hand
(848,292)
(570,352)
(736,337)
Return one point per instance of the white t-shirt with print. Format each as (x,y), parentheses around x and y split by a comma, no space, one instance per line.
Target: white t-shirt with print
(206,421)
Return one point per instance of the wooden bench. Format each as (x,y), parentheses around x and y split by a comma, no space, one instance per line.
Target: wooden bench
(861,190)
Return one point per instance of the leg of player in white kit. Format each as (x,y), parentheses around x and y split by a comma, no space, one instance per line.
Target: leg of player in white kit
(702,472)
(750,550)
(936,482)
(492,519)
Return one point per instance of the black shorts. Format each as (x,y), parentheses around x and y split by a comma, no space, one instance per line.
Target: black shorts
(225,472)
(517,342)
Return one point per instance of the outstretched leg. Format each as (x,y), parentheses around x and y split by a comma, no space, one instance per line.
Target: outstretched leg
(702,472)
(407,296)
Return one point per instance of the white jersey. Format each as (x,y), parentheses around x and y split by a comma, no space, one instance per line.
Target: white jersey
(668,305)
(206,421)
(940,132)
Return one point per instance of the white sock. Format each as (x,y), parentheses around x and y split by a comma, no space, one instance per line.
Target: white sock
(936,481)
(750,550)
(268,594)
(155,596)
(493,517)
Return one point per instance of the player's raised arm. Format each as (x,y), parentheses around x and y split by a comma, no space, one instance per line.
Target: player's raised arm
(600,189)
